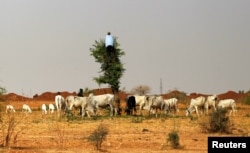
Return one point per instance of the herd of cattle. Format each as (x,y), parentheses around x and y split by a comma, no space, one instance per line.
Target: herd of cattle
(152,104)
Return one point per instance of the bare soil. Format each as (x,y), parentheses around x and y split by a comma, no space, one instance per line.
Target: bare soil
(136,134)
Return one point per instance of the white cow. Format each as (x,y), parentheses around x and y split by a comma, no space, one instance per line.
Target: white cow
(104,101)
(26,108)
(194,104)
(140,101)
(211,102)
(154,103)
(228,103)
(170,104)
(10,108)
(59,102)
(82,103)
(51,108)
(44,109)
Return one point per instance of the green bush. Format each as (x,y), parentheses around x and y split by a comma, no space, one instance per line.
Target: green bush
(173,138)
(217,122)
(247,100)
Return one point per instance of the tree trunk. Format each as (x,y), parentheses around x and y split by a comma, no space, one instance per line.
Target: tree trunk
(117,101)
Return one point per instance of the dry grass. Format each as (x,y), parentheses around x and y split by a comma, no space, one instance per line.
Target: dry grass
(125,135)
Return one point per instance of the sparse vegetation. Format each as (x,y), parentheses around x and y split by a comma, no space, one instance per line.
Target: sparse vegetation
(11,128)
(137,119)
(180,95)
(126,133)
(141,90)
(246,99)
(218,122)
(59,131)
(98,136)
(173,138)
(2,91)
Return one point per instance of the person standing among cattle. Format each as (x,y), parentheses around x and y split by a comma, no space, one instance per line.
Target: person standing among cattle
(109,44)
(80,93)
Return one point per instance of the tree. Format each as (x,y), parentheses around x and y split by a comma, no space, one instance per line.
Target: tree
(2,90)
(141,90)
(111,67)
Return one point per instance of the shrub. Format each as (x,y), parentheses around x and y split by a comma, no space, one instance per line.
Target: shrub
(59,131)
(247,100)
(11,128)
(98,136)
(173,138)
(218,122)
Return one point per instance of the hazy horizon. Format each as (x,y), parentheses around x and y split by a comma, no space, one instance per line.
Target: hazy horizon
(192,46)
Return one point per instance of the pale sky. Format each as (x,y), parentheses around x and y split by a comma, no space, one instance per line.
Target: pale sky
(200,46)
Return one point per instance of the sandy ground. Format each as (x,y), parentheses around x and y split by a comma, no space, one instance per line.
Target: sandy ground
(48,133)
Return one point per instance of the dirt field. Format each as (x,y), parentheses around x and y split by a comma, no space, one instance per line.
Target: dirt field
(48,133)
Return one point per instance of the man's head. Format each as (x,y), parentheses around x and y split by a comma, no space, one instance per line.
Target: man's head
(109,33)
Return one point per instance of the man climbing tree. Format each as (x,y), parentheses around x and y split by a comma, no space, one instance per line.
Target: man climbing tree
(109,44)
(111,68)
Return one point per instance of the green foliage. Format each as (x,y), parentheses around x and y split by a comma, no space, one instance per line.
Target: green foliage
(218,122)
(111,68)
(2,90)
(173,138)
(98,136)
(247,99)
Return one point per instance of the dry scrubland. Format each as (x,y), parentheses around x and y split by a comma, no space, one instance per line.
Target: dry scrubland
(49,133)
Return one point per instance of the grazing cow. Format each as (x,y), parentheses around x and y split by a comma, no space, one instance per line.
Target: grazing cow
(104,101)
(10,108)
(170,104)
(194,104)
(140,101)
(60,103)
(44,109)
(131,105)
(154,103)
(81,103)
(26,108)
(51,108)
(211,102)
(228,103)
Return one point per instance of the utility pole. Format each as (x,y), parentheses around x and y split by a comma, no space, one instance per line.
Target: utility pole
(160,86)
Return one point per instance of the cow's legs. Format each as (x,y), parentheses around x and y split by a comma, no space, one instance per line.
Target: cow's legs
(196,110)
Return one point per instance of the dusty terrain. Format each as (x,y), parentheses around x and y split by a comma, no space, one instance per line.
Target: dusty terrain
(50,133)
